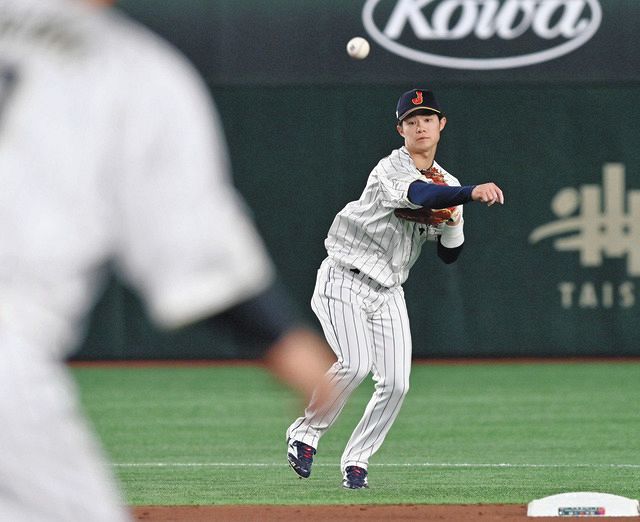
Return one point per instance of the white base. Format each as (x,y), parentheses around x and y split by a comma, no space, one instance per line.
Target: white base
(584,504)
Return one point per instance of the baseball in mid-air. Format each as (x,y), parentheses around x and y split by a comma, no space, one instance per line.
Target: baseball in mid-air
(358,48)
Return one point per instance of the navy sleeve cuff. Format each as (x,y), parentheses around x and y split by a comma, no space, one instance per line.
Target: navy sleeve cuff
(261,320)
(448,255)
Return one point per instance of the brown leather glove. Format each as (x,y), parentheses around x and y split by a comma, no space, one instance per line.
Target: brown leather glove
(426,216)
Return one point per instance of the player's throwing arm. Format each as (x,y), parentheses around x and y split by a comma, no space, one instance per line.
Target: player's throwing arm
(488,193)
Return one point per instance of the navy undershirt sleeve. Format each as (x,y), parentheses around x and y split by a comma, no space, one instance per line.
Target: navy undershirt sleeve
(431,195)
(449,255)
(261,320)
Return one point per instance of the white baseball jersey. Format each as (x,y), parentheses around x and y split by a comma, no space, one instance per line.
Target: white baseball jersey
(368,236)
(109,150)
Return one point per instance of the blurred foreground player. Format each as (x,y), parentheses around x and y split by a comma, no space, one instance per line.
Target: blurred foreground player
(110,150)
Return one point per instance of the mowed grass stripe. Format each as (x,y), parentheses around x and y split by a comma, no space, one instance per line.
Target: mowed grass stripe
(479,433)
(383,464)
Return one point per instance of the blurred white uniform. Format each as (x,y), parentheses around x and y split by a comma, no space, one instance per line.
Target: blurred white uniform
(109,150)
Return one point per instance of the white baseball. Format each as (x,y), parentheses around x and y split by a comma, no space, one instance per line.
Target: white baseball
(358,48)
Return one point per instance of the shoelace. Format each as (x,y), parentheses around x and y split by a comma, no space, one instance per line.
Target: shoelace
(307,452)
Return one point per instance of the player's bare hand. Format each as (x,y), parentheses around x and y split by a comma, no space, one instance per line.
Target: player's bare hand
(488,193)
(300,358)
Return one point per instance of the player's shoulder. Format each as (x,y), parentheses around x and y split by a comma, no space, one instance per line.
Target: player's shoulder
(398,162)
(144,51)
(80,36)
(399,157)
(147,71)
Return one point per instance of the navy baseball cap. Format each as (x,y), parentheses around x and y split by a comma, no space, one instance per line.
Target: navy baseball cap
(416,100)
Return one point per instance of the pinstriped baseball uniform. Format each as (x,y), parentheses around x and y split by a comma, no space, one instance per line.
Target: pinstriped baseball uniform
(360,303)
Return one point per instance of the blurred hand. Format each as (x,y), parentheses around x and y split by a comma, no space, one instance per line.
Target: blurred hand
(300,359)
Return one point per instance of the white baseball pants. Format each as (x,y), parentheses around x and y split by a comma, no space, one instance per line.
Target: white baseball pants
(367,326)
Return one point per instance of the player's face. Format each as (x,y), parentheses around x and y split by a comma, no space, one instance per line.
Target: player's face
(421,132)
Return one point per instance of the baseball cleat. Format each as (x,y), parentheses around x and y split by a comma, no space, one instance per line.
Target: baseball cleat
(300,456)
(355,478)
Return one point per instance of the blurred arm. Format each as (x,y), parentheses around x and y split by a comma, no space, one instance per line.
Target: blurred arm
(293,352)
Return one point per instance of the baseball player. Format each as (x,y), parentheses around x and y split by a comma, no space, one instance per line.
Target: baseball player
(110,150)
(371,246)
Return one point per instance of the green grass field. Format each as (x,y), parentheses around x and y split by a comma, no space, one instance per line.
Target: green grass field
(501,433)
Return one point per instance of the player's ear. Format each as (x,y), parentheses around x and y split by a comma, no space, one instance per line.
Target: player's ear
(399,129)
(443,122)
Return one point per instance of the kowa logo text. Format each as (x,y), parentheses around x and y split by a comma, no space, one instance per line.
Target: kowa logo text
(564,24)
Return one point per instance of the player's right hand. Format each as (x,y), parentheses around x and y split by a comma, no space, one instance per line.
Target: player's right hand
(488,193)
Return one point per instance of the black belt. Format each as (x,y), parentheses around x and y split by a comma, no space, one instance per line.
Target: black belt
(357,272)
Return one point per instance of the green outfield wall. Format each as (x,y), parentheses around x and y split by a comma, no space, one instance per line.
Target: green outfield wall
(555,272)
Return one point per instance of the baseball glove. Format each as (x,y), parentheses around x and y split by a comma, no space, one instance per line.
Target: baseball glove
(428,216)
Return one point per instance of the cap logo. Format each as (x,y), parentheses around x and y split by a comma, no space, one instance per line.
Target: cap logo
(418,99)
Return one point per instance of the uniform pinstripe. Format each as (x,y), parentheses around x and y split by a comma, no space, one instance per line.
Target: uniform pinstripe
(363,313)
